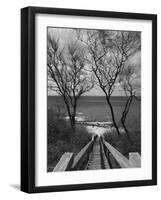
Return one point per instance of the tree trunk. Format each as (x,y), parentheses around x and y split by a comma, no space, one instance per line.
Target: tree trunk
(73,123)
(72,113)
(124,114)
(113,116)
(125,128)
(73,116)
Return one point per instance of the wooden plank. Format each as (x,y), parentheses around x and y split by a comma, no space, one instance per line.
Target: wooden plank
(64,163)
(95,159)
(122,160)
(105,160)
(78,158)
(135,159)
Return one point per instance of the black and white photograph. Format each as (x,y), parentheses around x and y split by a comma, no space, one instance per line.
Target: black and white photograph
(93,99)
(89,88)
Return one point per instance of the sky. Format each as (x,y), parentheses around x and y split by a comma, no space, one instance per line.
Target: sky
(66,35)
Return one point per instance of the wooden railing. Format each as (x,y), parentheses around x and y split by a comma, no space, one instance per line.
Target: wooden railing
(104,159)
(133,161)
(80,157)
(68,162)
(65,162)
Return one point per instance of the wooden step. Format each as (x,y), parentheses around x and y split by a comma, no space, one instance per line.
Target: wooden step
(95,159)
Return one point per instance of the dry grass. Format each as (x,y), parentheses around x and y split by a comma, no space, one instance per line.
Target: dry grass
(61,139)
(123,144)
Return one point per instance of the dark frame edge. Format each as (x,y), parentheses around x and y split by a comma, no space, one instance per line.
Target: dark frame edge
(93,186)
(27,128)
(24,100)
(90,13)
(154,99)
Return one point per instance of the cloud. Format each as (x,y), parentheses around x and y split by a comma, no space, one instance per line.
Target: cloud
(136,62)
(66,35)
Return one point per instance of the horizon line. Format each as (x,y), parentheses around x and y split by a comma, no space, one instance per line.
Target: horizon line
(94,96)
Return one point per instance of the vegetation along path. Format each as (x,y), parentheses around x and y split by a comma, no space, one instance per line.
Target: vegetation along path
(97,152)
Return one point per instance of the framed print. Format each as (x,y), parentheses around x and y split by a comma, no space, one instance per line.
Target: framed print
(88,99)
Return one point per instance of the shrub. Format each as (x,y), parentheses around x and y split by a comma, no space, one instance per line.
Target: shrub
(61,139)
(123,144)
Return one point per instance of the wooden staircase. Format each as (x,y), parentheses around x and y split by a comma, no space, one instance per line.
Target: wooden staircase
(95,155)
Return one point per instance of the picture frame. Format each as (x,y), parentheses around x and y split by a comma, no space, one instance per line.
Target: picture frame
(30,40)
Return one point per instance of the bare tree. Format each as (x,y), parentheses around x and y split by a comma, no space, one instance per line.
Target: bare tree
(109,51)
(67,75)
(130,83)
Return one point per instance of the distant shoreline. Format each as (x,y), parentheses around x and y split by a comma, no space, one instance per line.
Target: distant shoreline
(90,97)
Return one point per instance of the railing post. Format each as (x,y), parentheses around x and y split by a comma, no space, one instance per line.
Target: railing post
(94,137)
(135,159)
(104,159)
